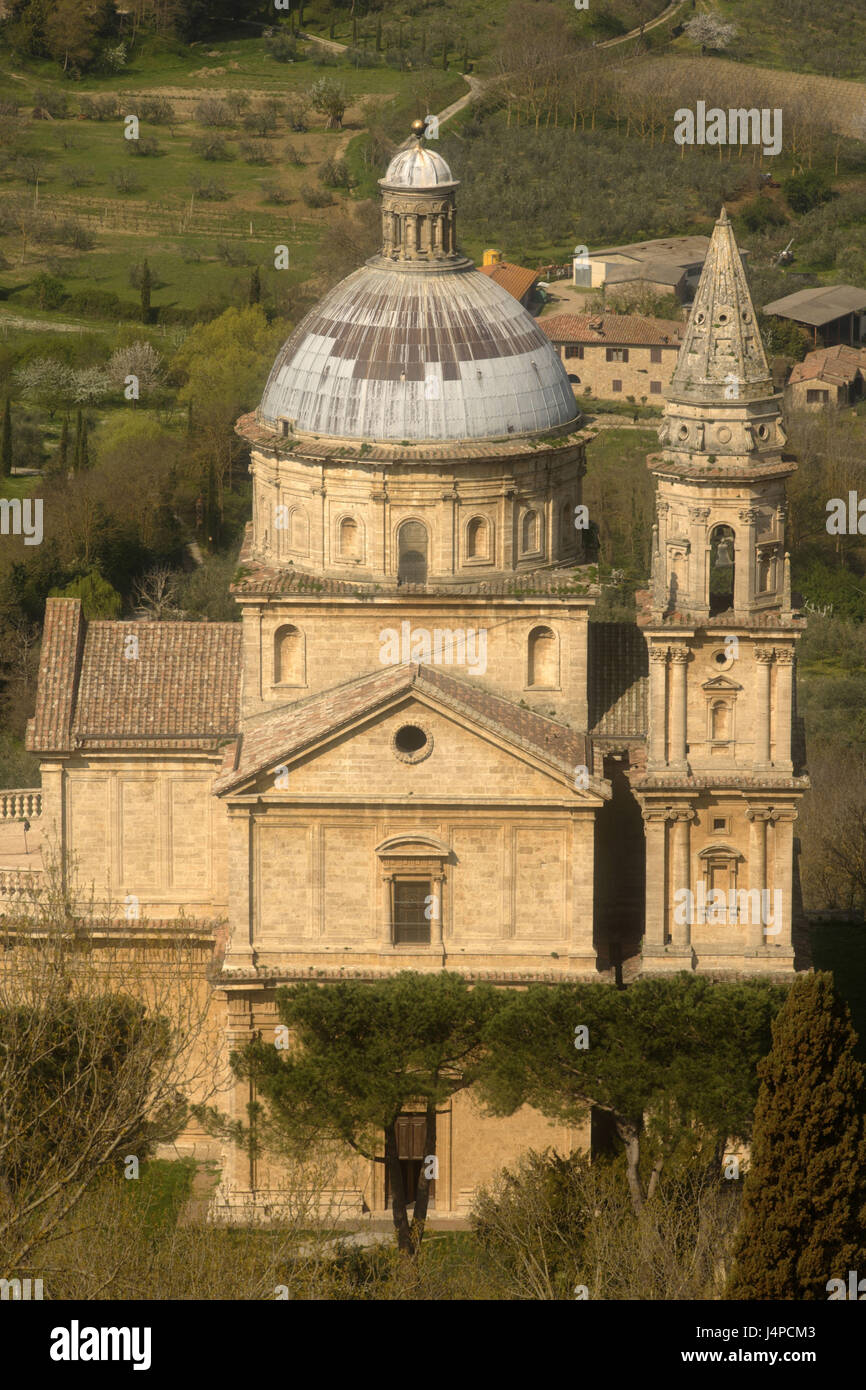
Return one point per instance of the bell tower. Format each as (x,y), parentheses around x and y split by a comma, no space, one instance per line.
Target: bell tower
(722,780)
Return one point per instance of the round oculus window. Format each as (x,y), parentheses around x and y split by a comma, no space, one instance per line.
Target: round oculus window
(412,743)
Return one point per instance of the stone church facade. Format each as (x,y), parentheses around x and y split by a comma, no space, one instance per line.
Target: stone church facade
(415,750)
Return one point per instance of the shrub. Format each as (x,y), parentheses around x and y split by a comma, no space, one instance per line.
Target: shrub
(157,110)
(77,177)
(47,291)
(102,108)
(316,197)
(334,173)
(292,155)
(210,146)
(760,214)
(296,113)
(275,193)
(233,252)
(55,103)
(212,112)
(145,146)
(209,191)
(124,181)
(254,152)
(806,191)
(283,47)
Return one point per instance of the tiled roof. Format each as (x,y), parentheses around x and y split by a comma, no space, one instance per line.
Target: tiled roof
(838,365)
(618,676)
(613,330)
(59,669)
(287,732)
(516,279)
(181,690)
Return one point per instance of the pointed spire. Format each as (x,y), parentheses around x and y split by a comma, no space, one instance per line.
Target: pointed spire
(722,357)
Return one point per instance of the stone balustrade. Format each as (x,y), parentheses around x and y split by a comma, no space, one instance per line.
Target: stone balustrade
(20,803)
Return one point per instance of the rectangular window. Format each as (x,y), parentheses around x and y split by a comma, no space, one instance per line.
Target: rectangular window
(617,354)
(655,354)
(616,385)
(655,388)
(411,1133)
(817,397)
(411,909)
(574,350)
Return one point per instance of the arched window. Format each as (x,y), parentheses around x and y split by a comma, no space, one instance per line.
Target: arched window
(412,553)
(289,656)
(720,720)
(299,533)
(543,662)
(722,566)
(478,539)
(530,533)
(350,539)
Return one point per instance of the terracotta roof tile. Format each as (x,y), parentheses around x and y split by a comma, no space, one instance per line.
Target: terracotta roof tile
(59,668)
(613,330)
(182,688)
(839,364)
(287,732)
(516,279)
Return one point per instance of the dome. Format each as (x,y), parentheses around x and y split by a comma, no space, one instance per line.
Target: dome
(417,167)
(392,355)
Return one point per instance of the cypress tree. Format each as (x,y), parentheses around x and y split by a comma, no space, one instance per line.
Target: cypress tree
(63,447)
(255,286)
(145,293)
(354,33)
(332,27)
(84,456)
(423,41)
(804,1201)
(445,57)
(379,34)
(6,441)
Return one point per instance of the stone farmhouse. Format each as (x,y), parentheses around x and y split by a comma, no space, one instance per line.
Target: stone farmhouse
(616,355)
(415,705)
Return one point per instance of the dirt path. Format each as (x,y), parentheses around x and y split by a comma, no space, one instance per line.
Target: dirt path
(652,24)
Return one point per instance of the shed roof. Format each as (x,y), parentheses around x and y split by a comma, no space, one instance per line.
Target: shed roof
(820,305)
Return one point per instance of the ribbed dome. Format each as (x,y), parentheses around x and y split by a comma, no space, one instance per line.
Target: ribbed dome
(392,355)
(417,167)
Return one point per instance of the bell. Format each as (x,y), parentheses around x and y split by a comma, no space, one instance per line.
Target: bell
(724,557)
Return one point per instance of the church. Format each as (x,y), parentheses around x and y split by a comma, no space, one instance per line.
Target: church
(416,749)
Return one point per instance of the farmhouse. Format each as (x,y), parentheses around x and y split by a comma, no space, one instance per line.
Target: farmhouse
(835,313)
(829,376)
(616,355)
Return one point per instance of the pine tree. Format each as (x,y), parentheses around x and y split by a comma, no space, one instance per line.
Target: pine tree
(804,1202)
(146,283)
(6,441)
(255,294)
(63,447)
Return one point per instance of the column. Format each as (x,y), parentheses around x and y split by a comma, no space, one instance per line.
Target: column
(758,818)
(784,707)
(658,706)
(655,819)
(387,934)
(241,887)
(436,918)
(782,901)
(681,879)
(744,574)
(763,661)
(679,660)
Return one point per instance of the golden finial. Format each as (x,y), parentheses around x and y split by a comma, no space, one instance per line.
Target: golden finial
(418,128)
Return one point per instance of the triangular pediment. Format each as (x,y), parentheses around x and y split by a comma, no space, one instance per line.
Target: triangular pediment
(374,730)
(721,683)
